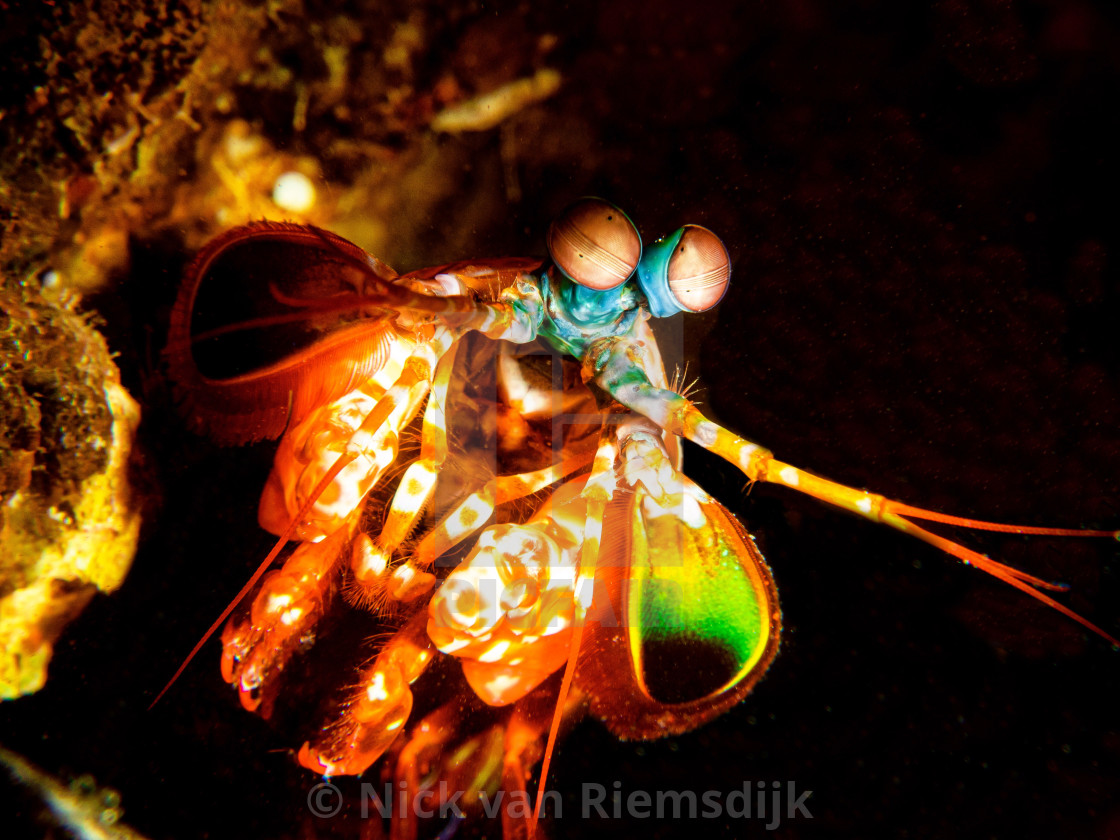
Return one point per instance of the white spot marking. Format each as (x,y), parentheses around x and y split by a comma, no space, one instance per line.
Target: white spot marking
(691,514)
(454,645)
(496,652)
(376,691)
(277,602)
(498,686)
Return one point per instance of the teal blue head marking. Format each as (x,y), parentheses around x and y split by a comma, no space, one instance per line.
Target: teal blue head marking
(653,275)
(591,307)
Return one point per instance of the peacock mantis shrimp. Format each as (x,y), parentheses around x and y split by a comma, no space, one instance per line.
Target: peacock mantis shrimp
(542,534)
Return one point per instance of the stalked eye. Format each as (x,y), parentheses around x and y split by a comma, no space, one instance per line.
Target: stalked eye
(699,269)
(595,244)
(686,271)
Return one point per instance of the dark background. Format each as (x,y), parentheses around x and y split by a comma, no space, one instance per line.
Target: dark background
(919,206)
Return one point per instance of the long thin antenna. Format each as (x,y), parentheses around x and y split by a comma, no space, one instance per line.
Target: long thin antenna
(340,464)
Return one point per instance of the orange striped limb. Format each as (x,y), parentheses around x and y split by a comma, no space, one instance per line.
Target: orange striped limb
(523,748)
(491,759)
(434,295)
(407,581)
(645,459)
(634,450)
(366,423)
(533,397)
(283,617)
(342,461)
(515,317)
(467,765)
(598,491)
(376,712)
(617,365)
(898,515)
(475,511)
(420,478)
(374,578)
(312,449)
(316,499)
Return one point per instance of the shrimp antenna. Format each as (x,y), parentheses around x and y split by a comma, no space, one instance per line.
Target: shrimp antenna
(339,465)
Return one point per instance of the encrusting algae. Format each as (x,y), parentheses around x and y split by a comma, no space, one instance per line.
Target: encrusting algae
(68,521)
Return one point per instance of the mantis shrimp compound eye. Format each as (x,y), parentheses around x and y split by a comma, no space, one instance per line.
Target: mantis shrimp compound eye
(699,269)
(687,271)
(595,244)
